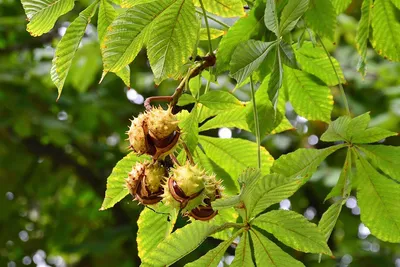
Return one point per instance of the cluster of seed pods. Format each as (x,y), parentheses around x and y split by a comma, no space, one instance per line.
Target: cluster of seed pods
(187,188)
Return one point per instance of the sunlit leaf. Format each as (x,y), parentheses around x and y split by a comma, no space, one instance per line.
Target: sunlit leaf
(243,252)
(267,253)
(223,8)
(321,17)
(363,32)
(379,199)
(68,45)
(220,100)
(43,14)
(293,230)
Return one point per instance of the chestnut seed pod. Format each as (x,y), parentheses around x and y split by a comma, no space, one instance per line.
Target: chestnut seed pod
(145,182)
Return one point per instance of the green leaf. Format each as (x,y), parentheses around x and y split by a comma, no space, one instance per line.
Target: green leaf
(344,127)
(68,45)
(190,129)
(321,17)
(371,135)
(363,32)
(220,100)
(214,34)
(154,226)
(378,198)
(269,190)
(225,216)
(309,99)
(243,252)
(131,28)
(386,158)
(329,219)
(116,188)
(107,14)
(337,130)
(231,186)
(226,202)
(186,99)
(268,118)
(386,30)
(180,243)
(341,5)
(231,118)
(271,17)
(234,154)
(343,186)
(267,253)
(243,29)
(315,61)
(247,57)
(132,3)
(293,230)
(213,256)
(172,39)
(291,15)
(396,3)
(276,79)
(223,8)
(288,55)
(43,14)
(302,163)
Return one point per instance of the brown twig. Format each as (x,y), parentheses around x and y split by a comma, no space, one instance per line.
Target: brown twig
(207,61)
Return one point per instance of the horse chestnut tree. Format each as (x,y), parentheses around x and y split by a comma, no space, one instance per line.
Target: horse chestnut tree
(276,50)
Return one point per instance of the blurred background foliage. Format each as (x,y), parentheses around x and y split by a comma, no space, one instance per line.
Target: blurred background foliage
(55,156)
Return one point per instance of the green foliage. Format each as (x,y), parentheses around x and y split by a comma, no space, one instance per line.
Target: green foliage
(378,197)
(258,48)
(293,230)
(386,30)
(68,45)
(43,14)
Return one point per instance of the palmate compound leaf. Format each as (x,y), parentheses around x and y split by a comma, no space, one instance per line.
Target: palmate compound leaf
(386,30)
(362,36)
(243,252)
(294,230)
(247,57)
(154,226)
(386,158)
(180,243)
(116,188)
(355,130)
(172,39)
(244,29)
(321,18)
(315,61)
(68,45)
(235,155)
(379,199)
(309,99)
(43,14)
(106,16)
(223,8)
(213,257)
(302,163)
(267,253)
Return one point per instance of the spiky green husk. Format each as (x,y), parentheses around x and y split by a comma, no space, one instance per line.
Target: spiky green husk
(168,199)
(136,134)
(154,174)
(161,123)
